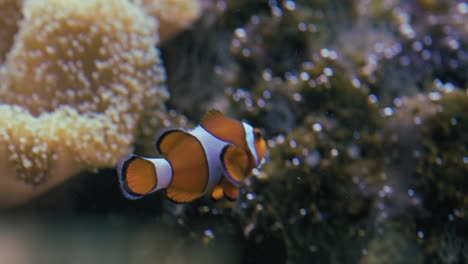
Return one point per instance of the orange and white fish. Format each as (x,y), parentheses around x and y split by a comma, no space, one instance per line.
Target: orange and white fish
(213,157)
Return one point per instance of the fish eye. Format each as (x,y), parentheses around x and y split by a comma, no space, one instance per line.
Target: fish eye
(258,134)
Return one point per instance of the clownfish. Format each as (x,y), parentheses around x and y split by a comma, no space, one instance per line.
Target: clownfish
(215,156)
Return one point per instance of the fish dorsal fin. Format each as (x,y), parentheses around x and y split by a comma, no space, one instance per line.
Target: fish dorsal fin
(211,115)
(235,163)
(168,139)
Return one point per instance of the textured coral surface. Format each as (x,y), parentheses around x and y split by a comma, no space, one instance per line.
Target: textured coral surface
(76,82)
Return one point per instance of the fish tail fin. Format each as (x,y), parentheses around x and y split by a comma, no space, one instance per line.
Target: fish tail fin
(138,176)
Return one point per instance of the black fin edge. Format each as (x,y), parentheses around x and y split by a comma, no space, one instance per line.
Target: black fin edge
(162,133)
(226,172)
(122,173)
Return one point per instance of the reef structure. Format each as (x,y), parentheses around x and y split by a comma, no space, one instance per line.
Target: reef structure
(76,83)
(173,15)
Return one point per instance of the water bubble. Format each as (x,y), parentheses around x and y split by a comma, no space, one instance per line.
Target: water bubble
(379,47)
(465,159)
(297,97)
(356,134)
(246,52)
(364,251)
(313,159)
(334,152)
(312,83)
(308,65)
(249,228)
(296,161)
(240,33)
(255,20)
(380,205)
(302,211)
(426,54)
(290,5)
(302,26)
(266,75)
(417,46)
(448,87)
(407,30)
(221,5)
(267,94)
(313,248)
(328,71)
(276,11)
(259,207)
(397,102)
(291,77)
(453,121)
(388,189)
(317,127)
(417,120)
(324,53)
(411,192)
(261,103)
(421,234)
(354,151)
(292,143)
(356,82)
(304,76)
(280,139)
(434,96)
(462,8)
(250,196)
(427,40)
(405,61)
(373,98)
(453,43)
(323,79)
(312,28)
(209,233)
(388,111)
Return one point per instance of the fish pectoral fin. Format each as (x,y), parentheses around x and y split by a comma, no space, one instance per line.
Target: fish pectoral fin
(235,163)
(181,196)
(217,193)
(168,138)
(230,190)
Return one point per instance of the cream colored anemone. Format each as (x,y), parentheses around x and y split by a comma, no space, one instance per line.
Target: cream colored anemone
(81,80)
(10,14)
(173,15)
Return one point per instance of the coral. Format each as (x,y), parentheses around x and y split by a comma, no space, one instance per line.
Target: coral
(445,144)
(10,14)
(173,15)
(76,84)
(426,155)
(345,95)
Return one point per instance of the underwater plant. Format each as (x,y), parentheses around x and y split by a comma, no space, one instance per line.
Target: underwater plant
(78,79)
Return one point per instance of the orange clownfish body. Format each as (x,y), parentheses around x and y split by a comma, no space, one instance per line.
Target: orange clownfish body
(213,157)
